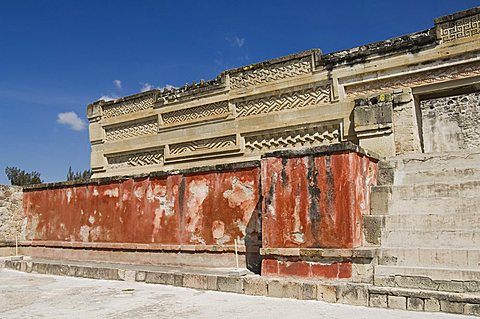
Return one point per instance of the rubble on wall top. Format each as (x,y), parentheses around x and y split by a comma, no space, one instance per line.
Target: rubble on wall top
(457,15)
(295,56)
(193,88)
(127,98)
(406,43)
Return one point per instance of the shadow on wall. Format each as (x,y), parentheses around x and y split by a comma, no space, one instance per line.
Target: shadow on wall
(253,240)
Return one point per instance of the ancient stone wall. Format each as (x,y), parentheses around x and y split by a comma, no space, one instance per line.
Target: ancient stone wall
(206,209)
(293,102)
(11,213)
(451,123)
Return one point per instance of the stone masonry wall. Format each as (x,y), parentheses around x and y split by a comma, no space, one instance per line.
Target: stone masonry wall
(11,212)
(451,123)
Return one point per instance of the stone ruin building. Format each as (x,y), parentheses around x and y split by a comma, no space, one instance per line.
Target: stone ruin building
(349,177)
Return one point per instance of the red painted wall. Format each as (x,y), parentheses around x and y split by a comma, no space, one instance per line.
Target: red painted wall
(309,201)
(202,209)
(315,201)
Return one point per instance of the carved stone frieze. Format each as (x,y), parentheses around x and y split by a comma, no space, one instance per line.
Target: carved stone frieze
(459,29)
(153,157)
(195,114)
(418,79)
(286,101)
(131,129)
(129,106)
(204,146)
(275,72)
(316,135)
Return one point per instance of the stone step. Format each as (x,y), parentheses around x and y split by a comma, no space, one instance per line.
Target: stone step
(444,222)
(465,189)
(428,257)
(436,160)
(431,239)
(437,175)
(431,278)
(436,205)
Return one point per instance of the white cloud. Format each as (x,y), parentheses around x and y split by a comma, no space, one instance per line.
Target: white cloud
(71,119)
(106,98)
(147,87)
(118,84)
(168,87)
(236,41)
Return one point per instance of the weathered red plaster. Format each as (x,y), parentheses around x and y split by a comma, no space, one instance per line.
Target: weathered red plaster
(315,201)
(309,201)
(335,270)
(205,209)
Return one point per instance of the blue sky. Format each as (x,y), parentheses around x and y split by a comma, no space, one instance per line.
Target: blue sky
(58,56)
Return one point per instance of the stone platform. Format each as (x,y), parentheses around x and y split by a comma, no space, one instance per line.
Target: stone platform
(223,279)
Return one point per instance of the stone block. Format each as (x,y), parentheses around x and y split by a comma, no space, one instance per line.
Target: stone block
(386,174)
(378,301)
(29,266)
(472,309)
(397,302)
(196,281)
(309,291)
(432,305)
(140,276)
(416,282)
(178,280)
(327,293)
(472,286)
(415,304)
(372,228)
(212,282)
(352,295)
(37,267)
(100,273)
(362,273)
(255,286)
(380,200)
(160,278)
(284,289)
(127,275)
(453,286)
(230,284)
(451,307)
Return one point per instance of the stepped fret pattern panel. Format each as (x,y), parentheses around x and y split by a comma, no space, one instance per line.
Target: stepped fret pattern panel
(131,129)
(129,106)
(286,101)
(205,145)
(462,28)
(271,73)
(153,157)
(294,138)
(411,80)
(195,113)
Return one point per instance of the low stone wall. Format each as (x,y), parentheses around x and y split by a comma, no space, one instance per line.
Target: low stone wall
(11,213)
(309,202)
(202,210)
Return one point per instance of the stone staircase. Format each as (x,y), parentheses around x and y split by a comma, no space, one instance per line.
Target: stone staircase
(428,209)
